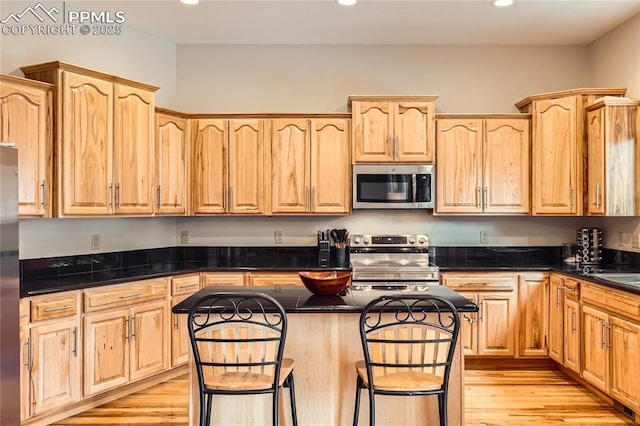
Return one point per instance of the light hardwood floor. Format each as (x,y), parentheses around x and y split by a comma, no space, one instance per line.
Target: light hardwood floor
(493,398)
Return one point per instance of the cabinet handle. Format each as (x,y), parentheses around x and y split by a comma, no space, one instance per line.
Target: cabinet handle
(608,335)
(478,197)
(306,196)
(59,308)
(111,194)
(118,194)
(485,198)
(602,341)
(573,321)
(75,341)
(284,283)
(313,198)
(598,195)
(468,318)
(176,325)
(391,146)
(187,287)
(129,296)
(127,330)
(133,322)
(230,199)
(396,150)
(159,196)
(480,312)
(44,194)
(223,283)
(224,199)
(558,288)
(28,361)
(571,197)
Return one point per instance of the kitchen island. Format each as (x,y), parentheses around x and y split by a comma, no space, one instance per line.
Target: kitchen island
(323,340)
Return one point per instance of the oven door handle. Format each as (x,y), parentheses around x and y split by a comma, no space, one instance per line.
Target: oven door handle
(414,186)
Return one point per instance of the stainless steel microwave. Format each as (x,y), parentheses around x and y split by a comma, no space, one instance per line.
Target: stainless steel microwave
(393,186)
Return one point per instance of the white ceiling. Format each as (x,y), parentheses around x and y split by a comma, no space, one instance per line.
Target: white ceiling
(452,22)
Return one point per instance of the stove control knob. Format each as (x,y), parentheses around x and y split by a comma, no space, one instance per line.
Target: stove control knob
(357,240)
(422,240)
(366,240)
(411,240)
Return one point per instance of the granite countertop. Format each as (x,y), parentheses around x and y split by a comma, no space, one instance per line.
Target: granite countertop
(301,300)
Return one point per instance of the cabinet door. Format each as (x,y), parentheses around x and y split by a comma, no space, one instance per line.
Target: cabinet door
(149,340)
(556,315)
(497,324)
(595,368)
(222,279)
(246,167)
(25,374)
(469,327)
(55,366)
(85,154)
(459,165)
(133,150)
(572,335)
(275,279)
(290,156)
(330,166)
(25,119)
(171,170)
(556,188)
(180,343)
(106,351)
(506,166)
(414,132)
(372,132)
(533,324)
(595,162)
(209,173)
(625,362)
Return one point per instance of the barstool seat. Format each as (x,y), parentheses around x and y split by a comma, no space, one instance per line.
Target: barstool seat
(247,380)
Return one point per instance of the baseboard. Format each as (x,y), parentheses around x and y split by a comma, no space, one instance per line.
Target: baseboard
(495,363)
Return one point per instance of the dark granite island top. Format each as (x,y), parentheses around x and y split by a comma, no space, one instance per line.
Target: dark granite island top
(301,300)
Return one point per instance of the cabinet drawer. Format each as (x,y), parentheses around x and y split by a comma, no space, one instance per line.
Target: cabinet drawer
(277,279)
(186,284)
(222,279)
(53,307)
(572,289)
(615,301)
(122,295)
(23,310)
(480,282)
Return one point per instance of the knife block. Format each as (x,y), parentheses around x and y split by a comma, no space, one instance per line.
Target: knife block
(324,251)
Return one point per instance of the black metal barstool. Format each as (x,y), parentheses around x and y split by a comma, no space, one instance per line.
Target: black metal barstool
(408,344)
(237,341)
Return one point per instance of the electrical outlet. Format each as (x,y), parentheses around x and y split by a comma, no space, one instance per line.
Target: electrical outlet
(184,237)
(620,239)
(278,237)
(95,242)
(484,236)
(635,241)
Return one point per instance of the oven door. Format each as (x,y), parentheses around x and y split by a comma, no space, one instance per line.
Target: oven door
(393,186)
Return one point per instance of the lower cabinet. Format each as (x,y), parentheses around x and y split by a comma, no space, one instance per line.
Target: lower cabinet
(492,330)
(222,278)
(274,279)
(556,318)
(25,360)
(611,338)
(572,336)
(533,315)
(181,287)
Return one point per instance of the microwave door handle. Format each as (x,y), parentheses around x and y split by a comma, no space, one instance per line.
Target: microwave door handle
(414,185)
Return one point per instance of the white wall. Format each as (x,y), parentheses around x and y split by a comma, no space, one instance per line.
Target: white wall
(223,78)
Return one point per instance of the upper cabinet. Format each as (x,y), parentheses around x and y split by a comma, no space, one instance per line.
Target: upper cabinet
(559,148)
(104,141)
(483,164)
(172,138)
(228,166)
(393,129)
(310,165)
(26,120)
(613,180)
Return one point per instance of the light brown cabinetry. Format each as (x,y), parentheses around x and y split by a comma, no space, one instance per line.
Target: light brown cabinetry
(123,345)
(274,279)
(228,166)
(483,164)
(393,129)
(310,166)
(613,169)
(495,322)
(181,288)
(172,142)
(533,315)
(556,318)
(565,322)
(25,360)
(54,351)
(222,278)
(26,121)
(558,148)
(104,141)
(572,336)
(611,338)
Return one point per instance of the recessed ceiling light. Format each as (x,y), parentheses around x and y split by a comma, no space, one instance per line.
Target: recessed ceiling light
(347,2)
(502,3)
(190,1)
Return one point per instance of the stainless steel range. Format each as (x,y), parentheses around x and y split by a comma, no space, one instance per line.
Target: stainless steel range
(392,262)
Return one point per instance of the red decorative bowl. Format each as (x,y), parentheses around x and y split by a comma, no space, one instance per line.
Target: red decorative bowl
(323,283)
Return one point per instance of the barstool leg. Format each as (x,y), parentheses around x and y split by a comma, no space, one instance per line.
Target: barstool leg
(372,407)
(274,408)
(294,414)
(209,402)
(356,410)
(442,405)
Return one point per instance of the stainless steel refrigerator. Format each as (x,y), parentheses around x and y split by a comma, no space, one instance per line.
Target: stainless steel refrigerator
(9,289)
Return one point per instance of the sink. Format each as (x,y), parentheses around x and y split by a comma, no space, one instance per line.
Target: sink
(629,279)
